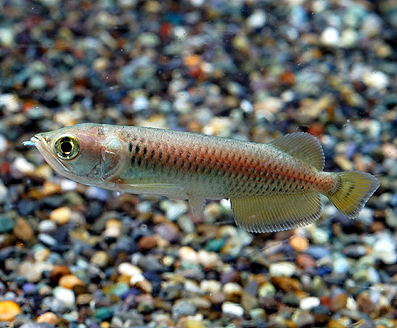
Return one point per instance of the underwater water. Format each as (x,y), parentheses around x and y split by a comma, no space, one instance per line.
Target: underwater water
(78,256)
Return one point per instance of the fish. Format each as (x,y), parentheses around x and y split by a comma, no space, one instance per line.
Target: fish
(271,187)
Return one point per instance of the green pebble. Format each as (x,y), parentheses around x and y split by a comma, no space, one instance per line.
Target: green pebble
(6,224)
(214,245)
(104,313)
(116,289)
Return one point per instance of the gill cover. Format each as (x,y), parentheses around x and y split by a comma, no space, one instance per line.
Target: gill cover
(111,157)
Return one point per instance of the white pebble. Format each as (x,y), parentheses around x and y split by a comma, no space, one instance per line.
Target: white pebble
(140,103)
(208,259)
(232,288)
(68,185)
(319,236)
(197,3)
(3,192)
(282,269)
(233,309)
(6,37)
(23,166)
(192,286)
(246,106)
(330,36)
(385,250)
(308,303)
(10,102)
(64,295)
(377,80)
(188,254)
(210,286)
(127,269)
(3,144)
(349,38)
(47,226)
(136,278)
(257,19)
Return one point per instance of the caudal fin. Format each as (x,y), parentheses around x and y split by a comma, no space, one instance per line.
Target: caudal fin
(354,191)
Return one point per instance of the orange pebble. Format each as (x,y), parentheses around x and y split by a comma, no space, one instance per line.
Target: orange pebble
(299,243)
(9,310)
(47,317)
(69,281)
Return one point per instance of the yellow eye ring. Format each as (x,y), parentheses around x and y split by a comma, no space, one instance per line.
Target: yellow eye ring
(66,147)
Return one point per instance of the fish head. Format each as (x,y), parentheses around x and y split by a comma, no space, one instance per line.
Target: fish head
(73,152)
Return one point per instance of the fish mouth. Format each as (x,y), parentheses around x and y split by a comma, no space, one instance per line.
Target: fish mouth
(43,146)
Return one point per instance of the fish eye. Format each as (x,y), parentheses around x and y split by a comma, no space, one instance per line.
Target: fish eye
(66,147)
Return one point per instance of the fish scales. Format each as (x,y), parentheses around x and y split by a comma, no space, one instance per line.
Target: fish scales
(271,187)
(211,158)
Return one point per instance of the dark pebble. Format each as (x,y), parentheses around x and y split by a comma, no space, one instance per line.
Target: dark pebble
(268,304)
(290,299)
(94,211)
(54,201)
(252,287)
(26,207)
(151,264)
(230,276)
(354,251)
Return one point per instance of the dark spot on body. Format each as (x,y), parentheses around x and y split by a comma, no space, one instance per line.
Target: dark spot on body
(130,147)
(137,148)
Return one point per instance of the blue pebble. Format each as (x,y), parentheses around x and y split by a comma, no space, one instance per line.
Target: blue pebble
(317,252)
(29,288)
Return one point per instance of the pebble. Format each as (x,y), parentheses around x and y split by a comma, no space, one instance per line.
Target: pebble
(9,310)
(188,254)
(100,258)
(330,36)
(147,243)
(233,309)
(23,230)
(64,295)
(193,324)
(127,269)
(282,269)
(308,303)
(299,243)
(69,281)
(183,308)
(47,317)
(6,224)
(61,215)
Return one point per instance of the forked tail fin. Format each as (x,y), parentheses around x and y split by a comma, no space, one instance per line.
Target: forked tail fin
(354,191)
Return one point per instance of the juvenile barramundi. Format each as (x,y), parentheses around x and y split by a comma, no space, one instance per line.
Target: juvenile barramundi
(271,187)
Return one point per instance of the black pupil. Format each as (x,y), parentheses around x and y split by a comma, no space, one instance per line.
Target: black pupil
(66,146)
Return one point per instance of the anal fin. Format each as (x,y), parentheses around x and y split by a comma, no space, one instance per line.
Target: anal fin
(276,212)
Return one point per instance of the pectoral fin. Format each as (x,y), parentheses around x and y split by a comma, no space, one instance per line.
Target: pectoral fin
(276,212)
(162,189)
(197,205)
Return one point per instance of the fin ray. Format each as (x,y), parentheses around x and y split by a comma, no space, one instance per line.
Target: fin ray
(269,213)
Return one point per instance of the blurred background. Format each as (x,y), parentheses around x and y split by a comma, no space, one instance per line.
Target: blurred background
(77,256)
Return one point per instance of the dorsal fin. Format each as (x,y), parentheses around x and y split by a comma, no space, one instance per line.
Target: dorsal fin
(303,146)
